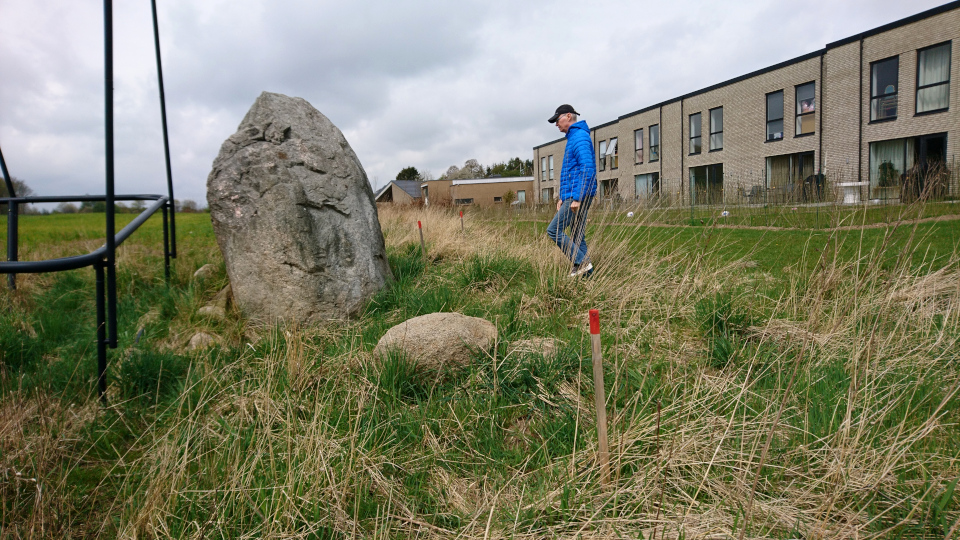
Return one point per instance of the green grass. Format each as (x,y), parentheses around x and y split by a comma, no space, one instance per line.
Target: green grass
(303,433)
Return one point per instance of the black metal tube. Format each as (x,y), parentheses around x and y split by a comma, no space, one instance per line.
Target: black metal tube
(166,250)
(166,140)
(101,336)
(12,240)
(111,226)
(81,261)
(11,221)
(80,198)
(6,176)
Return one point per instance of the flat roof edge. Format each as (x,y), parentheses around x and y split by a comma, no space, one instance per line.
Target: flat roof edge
(757,73)
(949,6)
(549,143)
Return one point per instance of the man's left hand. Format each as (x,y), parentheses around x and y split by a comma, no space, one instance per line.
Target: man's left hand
(574,205)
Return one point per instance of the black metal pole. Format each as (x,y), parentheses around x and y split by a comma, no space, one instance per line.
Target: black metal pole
(12,240)
(166,251)
(111,228)
(6,176)
(101,336)
(166,140)
(12,209)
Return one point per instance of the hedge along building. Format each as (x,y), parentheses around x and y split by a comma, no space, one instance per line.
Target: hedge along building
(866,112)
(478,191)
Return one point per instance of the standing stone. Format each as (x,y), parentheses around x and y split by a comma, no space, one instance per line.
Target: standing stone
(294,216)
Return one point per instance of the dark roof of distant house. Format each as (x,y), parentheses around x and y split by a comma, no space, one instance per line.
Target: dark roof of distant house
(410,187)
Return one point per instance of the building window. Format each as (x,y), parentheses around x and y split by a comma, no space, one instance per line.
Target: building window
(543,169)
(933,79)
(638,146)
(607,189)
(791,178)
(654,143)
(706,184)
(775,115)
(613,153)
(546,195)
(463,201)
(602,164)
(521,197)
(884,77)
(806,109)
(498,199)
(716,129)
(890,162)
(695,145)
(647,186)
(550,160)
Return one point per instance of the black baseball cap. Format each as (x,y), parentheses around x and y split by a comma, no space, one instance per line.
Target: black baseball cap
(563,109)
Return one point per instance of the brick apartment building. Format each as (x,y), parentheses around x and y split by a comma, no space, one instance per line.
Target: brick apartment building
(869,116)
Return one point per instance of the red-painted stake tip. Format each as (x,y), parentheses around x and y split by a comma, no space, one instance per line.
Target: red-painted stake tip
(419,226)
(461,213)
(594,321)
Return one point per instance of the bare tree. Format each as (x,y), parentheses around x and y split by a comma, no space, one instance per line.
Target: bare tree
(20,188)
(66,208)
(452,173)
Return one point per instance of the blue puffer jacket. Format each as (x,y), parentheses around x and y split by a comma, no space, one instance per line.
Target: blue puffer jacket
(578,178)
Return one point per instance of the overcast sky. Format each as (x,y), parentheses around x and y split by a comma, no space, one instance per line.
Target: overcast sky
(427,84)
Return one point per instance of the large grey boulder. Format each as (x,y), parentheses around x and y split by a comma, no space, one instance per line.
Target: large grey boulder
(294,216)
(439,338)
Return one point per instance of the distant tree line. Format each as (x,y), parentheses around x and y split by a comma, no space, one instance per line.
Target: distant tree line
(473,169)
(87,207)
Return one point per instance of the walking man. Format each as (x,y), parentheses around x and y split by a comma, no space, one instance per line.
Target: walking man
(578,185)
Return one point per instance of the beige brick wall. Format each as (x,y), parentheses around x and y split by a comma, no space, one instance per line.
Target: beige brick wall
(484,194)
(745,148)
(556,150)
(443,192)
(840,113)
(629,167)
(670,132)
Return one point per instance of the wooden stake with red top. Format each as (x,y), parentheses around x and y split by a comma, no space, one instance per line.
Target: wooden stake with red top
(599,396)
(423,247)
(461,221)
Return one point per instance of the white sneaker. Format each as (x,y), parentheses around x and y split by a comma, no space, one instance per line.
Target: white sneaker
(582,270)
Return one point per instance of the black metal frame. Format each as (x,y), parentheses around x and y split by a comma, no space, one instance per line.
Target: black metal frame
(103,259)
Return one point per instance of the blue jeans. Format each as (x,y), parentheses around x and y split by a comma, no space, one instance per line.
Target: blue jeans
(576,220)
